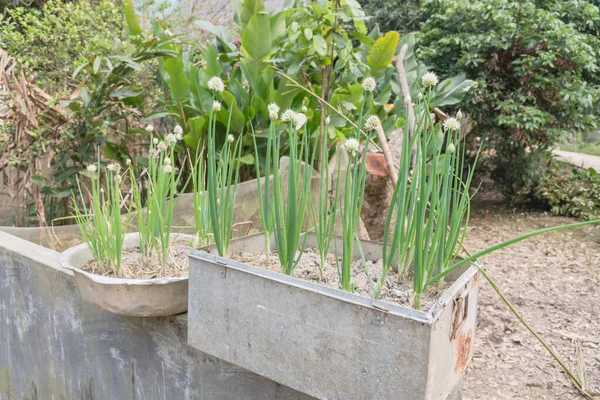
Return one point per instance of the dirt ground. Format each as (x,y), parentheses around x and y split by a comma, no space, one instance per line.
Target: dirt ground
(553,280)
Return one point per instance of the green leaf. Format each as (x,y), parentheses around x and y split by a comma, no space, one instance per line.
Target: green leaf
(277,26)
(178,82)
(308,33)
(320,45)
(133,22)
(256,39)
(211,58)
(382,52)
(192,138)
(451,91)
(221,32)
(96,66)
(246,10)
(247,159)
(61,192)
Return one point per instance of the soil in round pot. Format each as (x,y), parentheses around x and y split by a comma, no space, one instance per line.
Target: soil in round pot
(396,289)
(134,267)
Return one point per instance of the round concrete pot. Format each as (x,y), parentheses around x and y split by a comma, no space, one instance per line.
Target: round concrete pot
(130,297)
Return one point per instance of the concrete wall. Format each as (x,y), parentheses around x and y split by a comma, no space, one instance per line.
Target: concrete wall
(53,345)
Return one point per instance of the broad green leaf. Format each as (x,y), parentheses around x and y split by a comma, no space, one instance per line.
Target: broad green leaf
(212,66)
(247,159)
(320,45)
(252,71)
(96,66)
(178,82)
(382,52)
(364,39)
(221,32)
(308,33)
(192,138)
(451,91)
(133,23)
(246,10)
(256,39)
(277,26)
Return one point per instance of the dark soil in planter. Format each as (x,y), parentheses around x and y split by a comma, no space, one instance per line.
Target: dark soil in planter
(396,291)
(133,267)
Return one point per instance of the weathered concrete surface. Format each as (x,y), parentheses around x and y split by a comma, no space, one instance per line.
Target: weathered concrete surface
(54,345)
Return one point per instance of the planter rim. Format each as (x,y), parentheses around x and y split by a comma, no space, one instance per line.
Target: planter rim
(65,257)
(427,317)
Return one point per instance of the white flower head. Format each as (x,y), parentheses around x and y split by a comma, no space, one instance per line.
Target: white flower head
(273,115)
(162,146)
(273,108)
(92,168)
(167,161)
(459,115)
(429,79)
(327,120)
(304,109)
(118,178)
(372,123)
(155,140)
(216,84)
(450,148)
(351,145)
(452,124)
(150,128)
(178,130)
(230,138)
(216,106)
(420,96)
(128,161)
(171,139)
(289,115)
(167,169)
(114,167)
(407,100)
(300,121)
(369,84)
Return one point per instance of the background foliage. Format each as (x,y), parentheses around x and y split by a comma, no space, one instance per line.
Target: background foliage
(536,66)
(50,42)
(574,193)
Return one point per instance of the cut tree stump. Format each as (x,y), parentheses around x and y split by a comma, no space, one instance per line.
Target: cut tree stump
(377,195)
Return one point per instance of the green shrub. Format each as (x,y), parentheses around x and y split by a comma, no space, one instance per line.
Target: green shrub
(52,41)
(531,60)
(536,64)
(399,15)
(575,193)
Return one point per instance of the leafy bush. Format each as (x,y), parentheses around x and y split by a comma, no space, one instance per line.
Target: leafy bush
(536,65)
(112,94)
(575,193)
(400,15)
(531,59)
(52,41)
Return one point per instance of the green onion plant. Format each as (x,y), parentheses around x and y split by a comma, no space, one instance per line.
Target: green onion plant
(284,212)
(265,193)
(324,213)
(101,224)
(202,217)
(353,197)
(223,171)
(155,223)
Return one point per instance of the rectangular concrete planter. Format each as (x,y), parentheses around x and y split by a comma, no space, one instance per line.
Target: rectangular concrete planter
(325,342)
